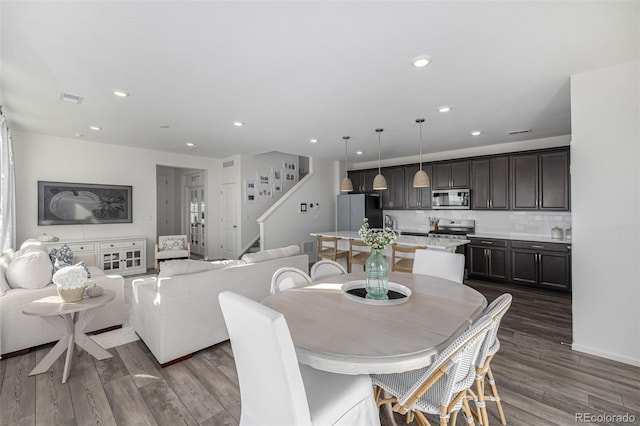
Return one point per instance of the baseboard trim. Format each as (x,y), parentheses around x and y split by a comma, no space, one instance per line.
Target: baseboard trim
(16,353)
(177,360)
(612,356)
(104,330)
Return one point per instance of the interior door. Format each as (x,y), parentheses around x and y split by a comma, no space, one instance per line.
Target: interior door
(162,205)
(197,235)
(229,220)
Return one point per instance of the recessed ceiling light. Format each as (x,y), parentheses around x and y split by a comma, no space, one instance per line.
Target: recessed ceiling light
(359,152)
(238,123)
(190,144)
(444,108)
(421,61)
(476,133)
(95,128)
(120,93)
(313,140)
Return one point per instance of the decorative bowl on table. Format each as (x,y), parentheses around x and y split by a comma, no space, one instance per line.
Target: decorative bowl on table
(357,291)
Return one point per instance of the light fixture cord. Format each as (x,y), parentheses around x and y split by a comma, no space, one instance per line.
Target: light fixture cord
(379,153)
(346,161)
(420,146)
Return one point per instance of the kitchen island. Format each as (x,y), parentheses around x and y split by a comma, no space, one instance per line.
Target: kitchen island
(410,240)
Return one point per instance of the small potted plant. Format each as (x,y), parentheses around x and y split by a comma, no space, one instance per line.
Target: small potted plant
(70,282)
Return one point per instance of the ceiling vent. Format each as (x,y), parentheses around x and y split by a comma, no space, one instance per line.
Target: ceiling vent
(519,132)
(227,164)
(72,99)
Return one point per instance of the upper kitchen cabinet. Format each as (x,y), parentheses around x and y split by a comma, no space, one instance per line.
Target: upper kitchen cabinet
(363,180)
(490,184)
(417,198)
(451,175)
(393,196)
(540,181)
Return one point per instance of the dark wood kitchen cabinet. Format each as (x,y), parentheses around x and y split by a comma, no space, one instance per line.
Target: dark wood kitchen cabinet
(450,175)
(416,198)
(490,184)
(541,264)
(488,258)
(393,196)
(540,181)
(363,180)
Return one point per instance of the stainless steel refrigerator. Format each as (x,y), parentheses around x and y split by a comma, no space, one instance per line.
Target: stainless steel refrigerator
(353,208)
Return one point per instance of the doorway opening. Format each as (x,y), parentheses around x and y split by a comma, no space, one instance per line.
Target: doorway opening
(181,206)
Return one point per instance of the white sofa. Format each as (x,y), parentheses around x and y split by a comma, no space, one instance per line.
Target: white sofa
(19,331)
(178,313)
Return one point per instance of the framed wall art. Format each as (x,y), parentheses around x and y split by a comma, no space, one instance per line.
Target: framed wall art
(62,203)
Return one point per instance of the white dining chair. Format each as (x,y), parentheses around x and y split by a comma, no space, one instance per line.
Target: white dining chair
(326,268)
(438,263)
(489,348)
(289,277)
(440,388)
(274,388)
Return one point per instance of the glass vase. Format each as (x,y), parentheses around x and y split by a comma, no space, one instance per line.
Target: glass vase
(377,271)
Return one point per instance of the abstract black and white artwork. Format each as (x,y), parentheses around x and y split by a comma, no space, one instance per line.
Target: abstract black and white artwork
(62,203)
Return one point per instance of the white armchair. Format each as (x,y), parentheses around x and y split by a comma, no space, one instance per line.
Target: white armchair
(171,247)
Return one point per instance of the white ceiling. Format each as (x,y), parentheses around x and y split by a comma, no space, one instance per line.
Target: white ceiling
(293,71)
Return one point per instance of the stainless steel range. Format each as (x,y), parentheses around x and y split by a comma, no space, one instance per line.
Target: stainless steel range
(457,229)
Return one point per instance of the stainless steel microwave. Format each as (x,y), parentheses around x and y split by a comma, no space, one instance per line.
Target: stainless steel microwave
(450,199)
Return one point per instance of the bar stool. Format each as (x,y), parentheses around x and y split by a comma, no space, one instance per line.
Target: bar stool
(357,255)
(328,249)
(402,257)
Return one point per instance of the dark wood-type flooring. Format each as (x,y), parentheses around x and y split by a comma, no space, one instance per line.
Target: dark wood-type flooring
(540,379)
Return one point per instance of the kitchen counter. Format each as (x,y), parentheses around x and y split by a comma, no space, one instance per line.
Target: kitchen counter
(519,237)
(430,242)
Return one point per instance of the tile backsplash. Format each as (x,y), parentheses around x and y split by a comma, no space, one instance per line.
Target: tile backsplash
(490,222)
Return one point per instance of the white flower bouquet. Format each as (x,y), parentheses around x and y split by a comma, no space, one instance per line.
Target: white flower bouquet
(70,277)
(376,239)
(70,282)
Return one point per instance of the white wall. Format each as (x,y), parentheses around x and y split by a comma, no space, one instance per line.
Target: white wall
(285,225)
(605,197)
(250,165)
(49,158)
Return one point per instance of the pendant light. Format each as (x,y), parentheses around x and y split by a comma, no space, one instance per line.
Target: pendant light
(421,178)
(379,182)
(346,185)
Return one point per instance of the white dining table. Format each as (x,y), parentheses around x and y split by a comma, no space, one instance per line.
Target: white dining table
(333,332)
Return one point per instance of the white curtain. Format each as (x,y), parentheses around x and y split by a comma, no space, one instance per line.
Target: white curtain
(7,189)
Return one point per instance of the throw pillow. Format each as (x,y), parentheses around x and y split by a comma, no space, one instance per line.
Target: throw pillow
(34,243)
(5,259)
(173,244)
(30,270)
(64,254)
(59,264)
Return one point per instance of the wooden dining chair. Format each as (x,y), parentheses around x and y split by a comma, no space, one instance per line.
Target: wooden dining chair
(289,277)
(402,257)
(484,375)
(326,268)
(440,388)
(439,263)
(328,249)
(358,254)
